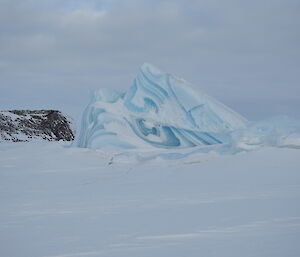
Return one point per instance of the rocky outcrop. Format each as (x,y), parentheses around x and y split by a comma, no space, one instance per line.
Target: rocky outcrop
(26,125)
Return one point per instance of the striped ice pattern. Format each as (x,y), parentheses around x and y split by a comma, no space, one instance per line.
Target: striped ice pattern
(159,110)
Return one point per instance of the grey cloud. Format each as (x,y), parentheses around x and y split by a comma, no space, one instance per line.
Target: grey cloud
(244,53)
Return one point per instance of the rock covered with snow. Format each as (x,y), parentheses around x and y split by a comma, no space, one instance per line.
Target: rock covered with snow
(159,110)
(26,125)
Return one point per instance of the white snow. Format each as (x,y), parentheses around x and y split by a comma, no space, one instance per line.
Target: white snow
(66,202)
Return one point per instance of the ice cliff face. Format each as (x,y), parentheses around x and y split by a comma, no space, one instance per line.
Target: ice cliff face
(159,110)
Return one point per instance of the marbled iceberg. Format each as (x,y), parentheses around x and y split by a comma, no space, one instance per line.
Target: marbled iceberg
(159,110)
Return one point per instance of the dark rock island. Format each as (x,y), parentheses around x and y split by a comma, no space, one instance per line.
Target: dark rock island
(26,125)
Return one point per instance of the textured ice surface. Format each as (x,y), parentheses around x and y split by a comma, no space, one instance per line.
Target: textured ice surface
(159,110)
(280,131)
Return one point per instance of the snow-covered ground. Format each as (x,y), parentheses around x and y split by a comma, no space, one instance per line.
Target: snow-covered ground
(64,202)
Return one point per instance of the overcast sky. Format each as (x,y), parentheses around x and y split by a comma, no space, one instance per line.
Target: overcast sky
(244,53)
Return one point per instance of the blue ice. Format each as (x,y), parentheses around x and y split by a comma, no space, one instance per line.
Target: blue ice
(158,110)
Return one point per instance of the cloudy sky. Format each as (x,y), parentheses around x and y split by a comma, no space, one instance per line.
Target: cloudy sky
(244,53)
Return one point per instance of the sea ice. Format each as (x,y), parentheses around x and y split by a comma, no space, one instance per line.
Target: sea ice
(281,131)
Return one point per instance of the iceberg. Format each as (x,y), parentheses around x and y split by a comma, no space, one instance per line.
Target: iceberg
(159,110)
